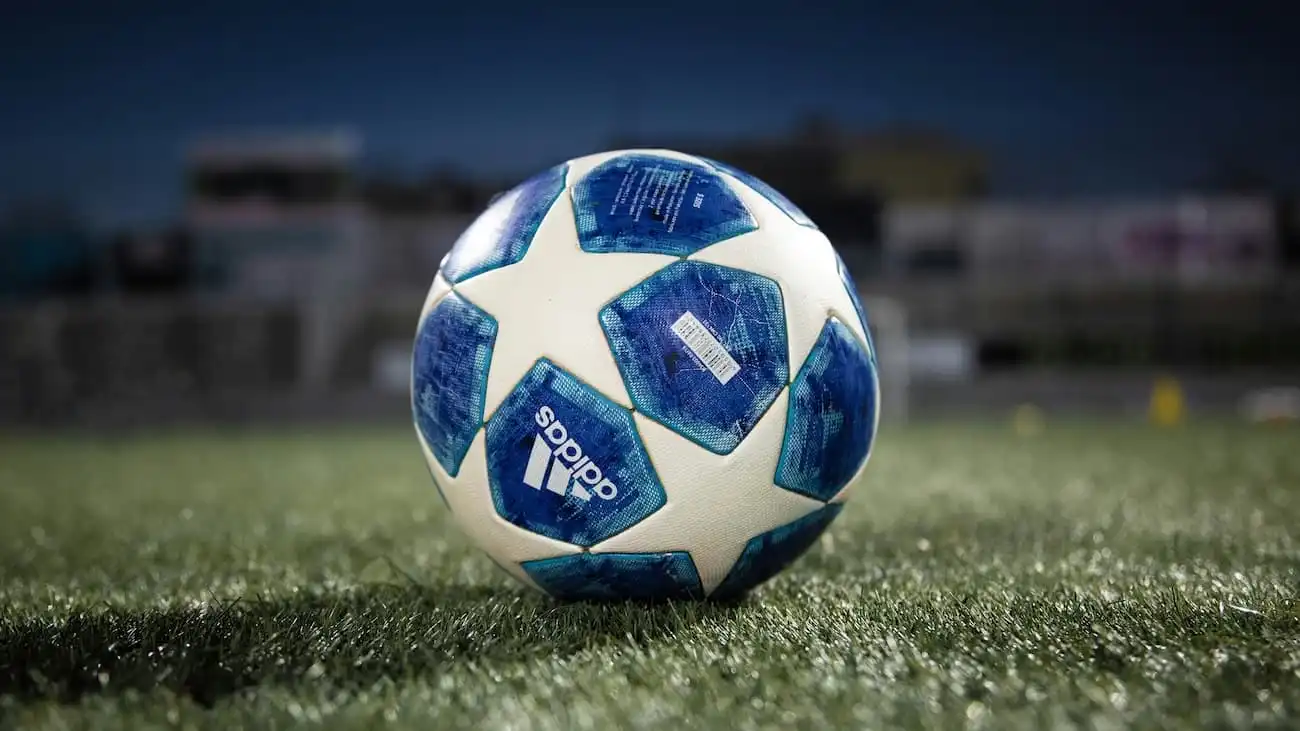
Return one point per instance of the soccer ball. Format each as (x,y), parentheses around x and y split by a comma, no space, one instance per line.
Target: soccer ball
(643,375)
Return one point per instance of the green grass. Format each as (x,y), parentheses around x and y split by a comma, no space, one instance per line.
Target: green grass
(1098,575)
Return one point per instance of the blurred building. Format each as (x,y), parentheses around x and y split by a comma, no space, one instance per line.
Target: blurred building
(414,223)
(276,216)
(278,219)
(1180,281)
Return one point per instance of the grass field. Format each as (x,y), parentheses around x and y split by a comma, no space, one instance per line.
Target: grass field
(1097,575)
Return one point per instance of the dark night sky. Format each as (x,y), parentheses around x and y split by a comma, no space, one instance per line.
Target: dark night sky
(1077,98)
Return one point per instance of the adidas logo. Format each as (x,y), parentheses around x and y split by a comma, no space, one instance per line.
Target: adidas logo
(557,460)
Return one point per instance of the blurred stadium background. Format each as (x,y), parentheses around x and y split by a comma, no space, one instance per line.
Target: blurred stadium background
(286,284)
(1076,201)
(1066,219)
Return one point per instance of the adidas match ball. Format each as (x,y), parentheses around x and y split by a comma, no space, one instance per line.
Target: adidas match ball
(643,375)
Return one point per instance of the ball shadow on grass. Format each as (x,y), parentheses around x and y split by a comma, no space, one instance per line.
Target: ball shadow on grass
(355,638)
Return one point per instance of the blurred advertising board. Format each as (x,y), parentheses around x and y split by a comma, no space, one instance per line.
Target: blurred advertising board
(1194,240)
(1185,239)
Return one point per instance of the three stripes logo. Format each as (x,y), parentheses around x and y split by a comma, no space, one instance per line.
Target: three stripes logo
(557,463)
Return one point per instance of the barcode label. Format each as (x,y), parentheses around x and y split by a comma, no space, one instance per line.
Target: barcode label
(701,342)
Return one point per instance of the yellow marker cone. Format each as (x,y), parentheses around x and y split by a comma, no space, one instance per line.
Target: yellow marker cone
(1168,405)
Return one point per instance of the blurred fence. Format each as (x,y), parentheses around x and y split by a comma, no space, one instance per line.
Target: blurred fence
(165,359)
(65,361)
(110,362)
